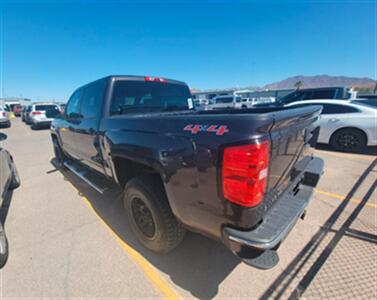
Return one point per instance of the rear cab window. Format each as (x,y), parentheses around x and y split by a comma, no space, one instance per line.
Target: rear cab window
(143,96)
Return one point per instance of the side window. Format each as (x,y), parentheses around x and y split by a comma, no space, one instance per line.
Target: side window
(73,107)
(337,109)
(92,100)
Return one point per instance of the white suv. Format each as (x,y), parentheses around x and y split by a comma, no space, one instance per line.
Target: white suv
(4,118)
(38,114)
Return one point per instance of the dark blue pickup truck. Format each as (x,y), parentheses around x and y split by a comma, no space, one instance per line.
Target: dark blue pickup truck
(243,177)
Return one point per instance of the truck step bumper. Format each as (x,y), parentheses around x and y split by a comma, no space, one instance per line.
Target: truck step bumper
(277,222)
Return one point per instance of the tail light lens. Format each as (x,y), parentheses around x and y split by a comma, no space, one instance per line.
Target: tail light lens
(244,173)
(36,113)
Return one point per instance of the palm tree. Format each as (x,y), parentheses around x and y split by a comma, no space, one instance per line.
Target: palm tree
(298,84)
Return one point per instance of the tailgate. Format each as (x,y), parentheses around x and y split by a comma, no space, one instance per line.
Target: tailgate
(293,137)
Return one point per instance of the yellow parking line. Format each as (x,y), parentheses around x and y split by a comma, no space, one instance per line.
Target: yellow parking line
(340,197)
(161,285)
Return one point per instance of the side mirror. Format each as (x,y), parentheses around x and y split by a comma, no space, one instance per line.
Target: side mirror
(75,116)
(3,136)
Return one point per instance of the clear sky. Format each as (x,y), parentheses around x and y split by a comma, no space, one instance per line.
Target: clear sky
(48,48)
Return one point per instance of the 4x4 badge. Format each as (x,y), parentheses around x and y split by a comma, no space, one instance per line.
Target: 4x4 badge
(195,128)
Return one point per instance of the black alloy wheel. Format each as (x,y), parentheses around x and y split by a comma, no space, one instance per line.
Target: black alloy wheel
(348,140)
(143,217)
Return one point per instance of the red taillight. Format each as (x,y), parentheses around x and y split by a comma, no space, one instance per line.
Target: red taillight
(244,173)
(36,113)
(155,79)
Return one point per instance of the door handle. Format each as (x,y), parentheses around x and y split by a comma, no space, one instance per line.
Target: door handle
(334,120)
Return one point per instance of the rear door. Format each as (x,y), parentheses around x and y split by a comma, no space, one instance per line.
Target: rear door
(335,116)
(86,133)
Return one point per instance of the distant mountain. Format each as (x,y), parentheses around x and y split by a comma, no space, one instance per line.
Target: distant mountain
(322,81)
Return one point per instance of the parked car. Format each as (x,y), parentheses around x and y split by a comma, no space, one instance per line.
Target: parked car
(17,109)
(37,114)
(24,108)
(345,125)
(253,102)
(213,172)
(245,103)
(9,180)
(201,101)
(26,114)
(225,101)
(4,118)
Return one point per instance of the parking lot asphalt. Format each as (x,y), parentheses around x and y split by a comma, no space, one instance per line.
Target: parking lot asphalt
(68,241)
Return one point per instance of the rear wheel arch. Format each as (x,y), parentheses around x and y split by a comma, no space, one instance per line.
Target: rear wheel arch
(125,169)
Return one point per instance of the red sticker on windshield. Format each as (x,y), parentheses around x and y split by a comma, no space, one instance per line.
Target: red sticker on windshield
(218,129)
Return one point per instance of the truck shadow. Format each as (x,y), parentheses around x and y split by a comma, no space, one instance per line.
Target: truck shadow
(198,265)
(299,275)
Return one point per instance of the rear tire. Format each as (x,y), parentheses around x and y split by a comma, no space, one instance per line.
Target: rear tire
(149,213)
(348,140)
